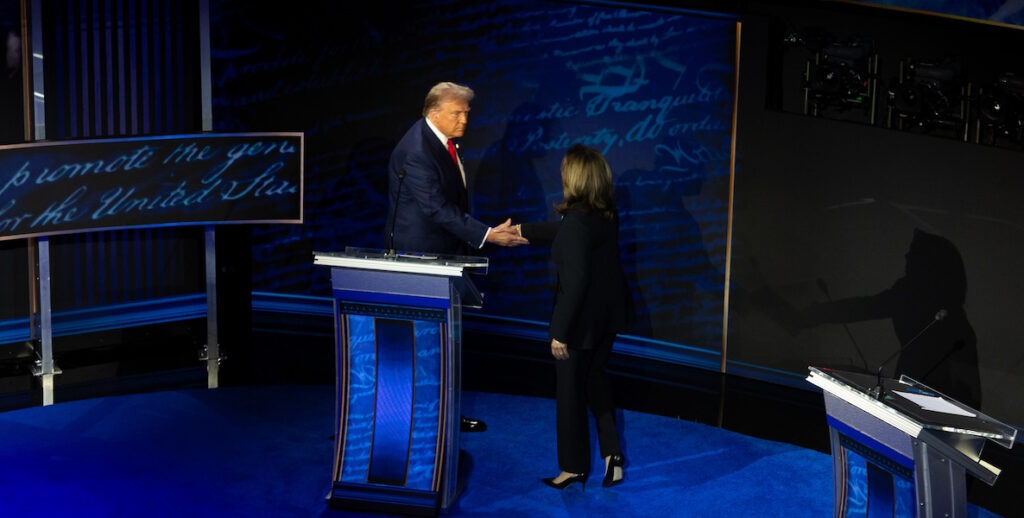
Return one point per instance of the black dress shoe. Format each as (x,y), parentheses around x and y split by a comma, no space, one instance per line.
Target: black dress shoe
(473,425)
(609,476)
(570,480)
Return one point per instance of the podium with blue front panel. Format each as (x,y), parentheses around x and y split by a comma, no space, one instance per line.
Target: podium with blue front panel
(901,448)
(398,337)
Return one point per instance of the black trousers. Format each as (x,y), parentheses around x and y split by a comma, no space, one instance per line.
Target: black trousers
(582,383)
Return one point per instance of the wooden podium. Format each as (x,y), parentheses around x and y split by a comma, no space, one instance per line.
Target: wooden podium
(398,337)
(901,448)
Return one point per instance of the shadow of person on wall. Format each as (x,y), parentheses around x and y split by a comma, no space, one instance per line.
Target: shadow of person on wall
(507,184)
(664,250)
(938,346)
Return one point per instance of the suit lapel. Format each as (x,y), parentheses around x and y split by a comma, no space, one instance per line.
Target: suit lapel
(450,174)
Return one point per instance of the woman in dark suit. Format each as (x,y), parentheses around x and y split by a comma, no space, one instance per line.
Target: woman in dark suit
(591,306)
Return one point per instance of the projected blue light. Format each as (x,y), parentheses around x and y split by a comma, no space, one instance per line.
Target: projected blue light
(652,89)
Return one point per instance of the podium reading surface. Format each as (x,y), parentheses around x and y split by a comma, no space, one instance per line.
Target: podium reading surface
(902,448)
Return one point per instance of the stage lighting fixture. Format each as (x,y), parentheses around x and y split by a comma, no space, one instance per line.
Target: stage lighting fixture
(840,75)
(999,111)
(929,96)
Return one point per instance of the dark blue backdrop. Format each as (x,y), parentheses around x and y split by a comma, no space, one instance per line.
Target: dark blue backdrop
(1002,11)
(652,89)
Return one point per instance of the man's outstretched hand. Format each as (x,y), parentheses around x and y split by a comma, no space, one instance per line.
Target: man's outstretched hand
(506,235)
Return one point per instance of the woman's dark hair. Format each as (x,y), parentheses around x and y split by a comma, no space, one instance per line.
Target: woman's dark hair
(587,182)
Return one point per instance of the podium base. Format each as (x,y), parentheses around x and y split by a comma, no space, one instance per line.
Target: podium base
(383,499)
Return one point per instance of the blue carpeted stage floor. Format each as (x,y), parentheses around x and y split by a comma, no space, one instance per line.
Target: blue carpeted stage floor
(266,451)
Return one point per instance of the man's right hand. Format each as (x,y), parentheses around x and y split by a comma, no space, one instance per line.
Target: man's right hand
(506,235)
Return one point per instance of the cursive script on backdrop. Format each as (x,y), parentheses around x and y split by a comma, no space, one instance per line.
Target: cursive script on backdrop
(62,187)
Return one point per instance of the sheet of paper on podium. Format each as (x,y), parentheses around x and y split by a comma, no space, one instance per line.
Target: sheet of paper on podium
(935,403)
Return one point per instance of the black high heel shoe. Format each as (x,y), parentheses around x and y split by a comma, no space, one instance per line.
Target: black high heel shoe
(616,461)
(581,478)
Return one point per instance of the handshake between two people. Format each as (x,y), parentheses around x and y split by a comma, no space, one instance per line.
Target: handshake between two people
(506,234)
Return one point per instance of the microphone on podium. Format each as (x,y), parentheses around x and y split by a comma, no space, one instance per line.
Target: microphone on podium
(877,391)
(394,214)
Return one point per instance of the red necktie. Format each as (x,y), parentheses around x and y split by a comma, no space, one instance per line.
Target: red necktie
(451,151)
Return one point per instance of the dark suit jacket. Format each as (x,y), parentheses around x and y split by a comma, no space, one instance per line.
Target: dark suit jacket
(429,211)
(591,297)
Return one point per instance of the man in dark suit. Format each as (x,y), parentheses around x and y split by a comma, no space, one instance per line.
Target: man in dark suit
(429,209)
(429,203)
